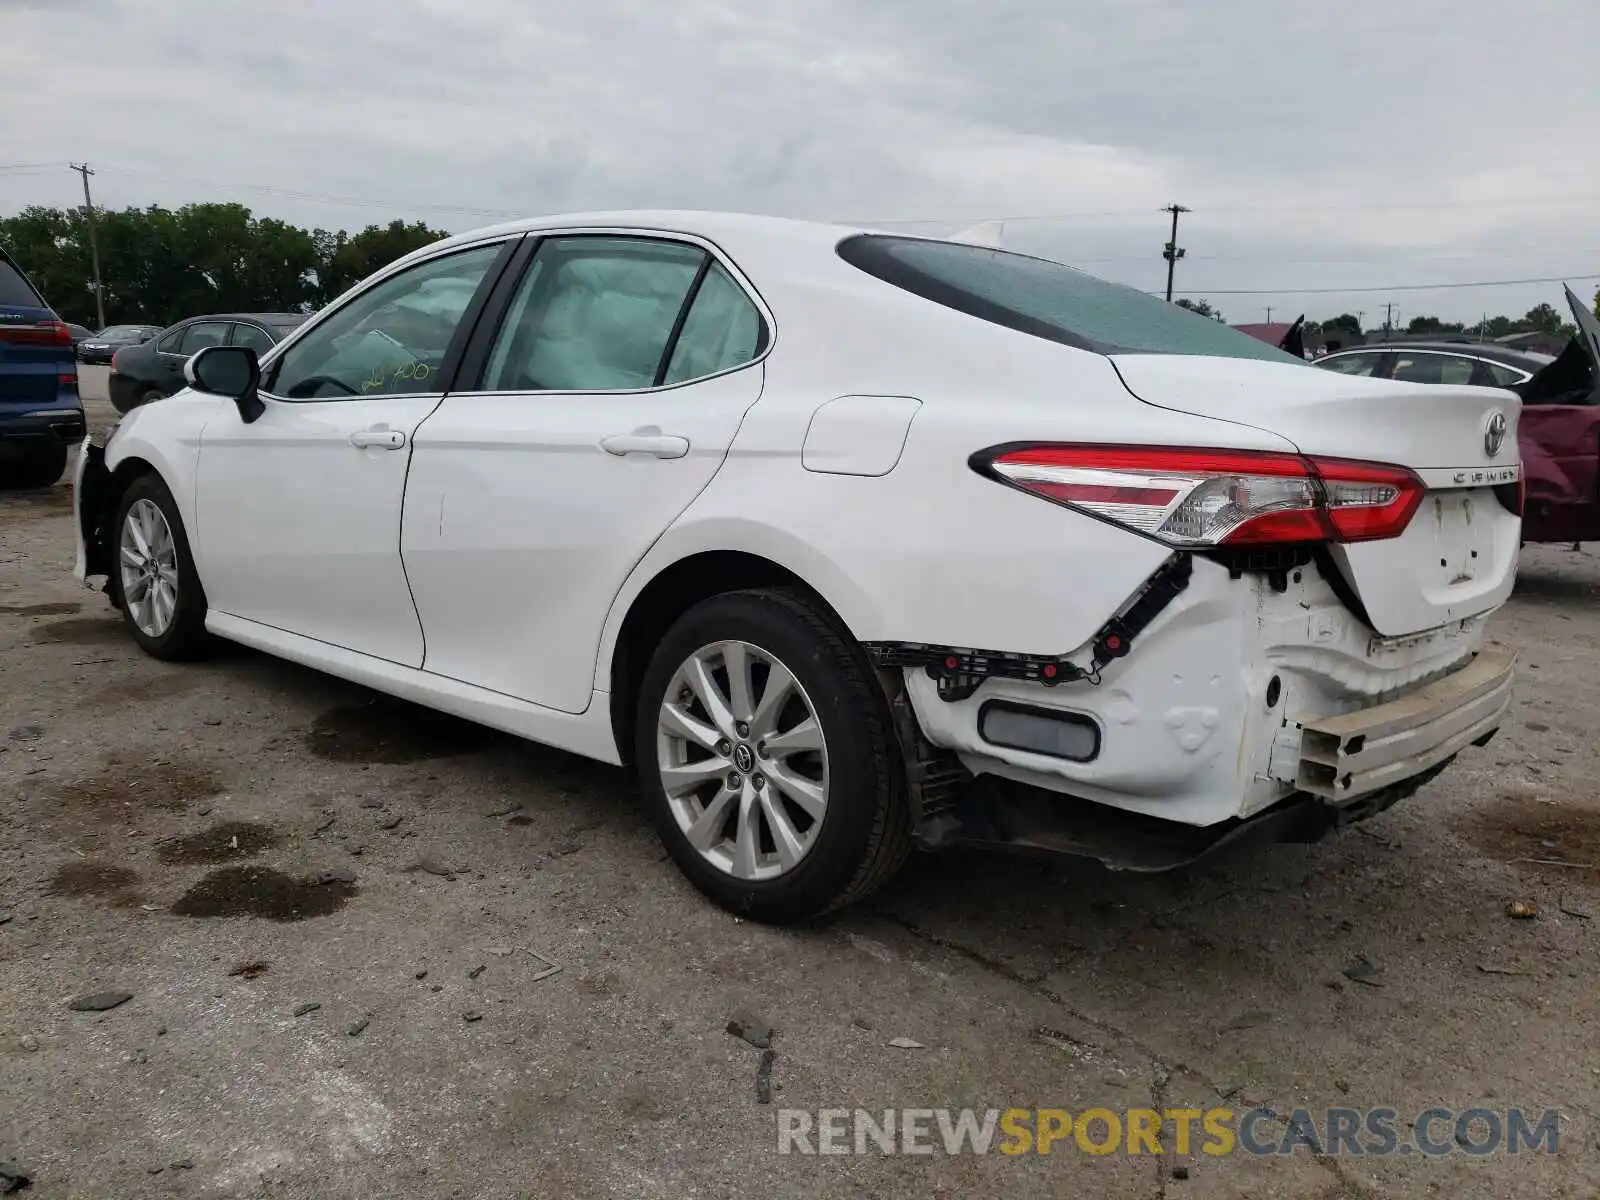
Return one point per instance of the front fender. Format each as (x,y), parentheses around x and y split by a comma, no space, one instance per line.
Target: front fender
(92,489)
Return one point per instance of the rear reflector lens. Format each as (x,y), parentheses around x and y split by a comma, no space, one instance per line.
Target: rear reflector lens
(1039,731)
(1216,497)
(43,333)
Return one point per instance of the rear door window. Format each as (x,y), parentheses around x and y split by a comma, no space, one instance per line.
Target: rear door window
(1047,299)
(15,291)
(205,333)
(1436,368)
(594,314)
(1353,364)
(252,336)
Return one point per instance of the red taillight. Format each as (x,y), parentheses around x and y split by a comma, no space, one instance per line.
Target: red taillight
(41,333)
(1201,497)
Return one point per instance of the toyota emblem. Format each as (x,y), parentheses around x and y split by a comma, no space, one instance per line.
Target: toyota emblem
(1494,434)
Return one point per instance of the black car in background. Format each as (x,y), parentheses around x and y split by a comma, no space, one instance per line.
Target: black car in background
(154,370)
(79,334)
(100,347)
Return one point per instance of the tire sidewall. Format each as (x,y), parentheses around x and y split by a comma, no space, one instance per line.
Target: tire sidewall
(185,633)
(856,768)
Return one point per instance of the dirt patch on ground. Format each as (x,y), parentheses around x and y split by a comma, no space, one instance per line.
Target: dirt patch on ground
(45,502)
(59,609)
(121,786)
(223,842)
(81,631)
(95,878)
(392,731)
(260,892)
(141,691)
(1527,833)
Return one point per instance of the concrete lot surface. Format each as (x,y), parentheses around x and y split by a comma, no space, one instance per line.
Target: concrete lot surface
(235,841)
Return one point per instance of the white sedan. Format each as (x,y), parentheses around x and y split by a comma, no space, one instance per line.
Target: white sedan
(814,525)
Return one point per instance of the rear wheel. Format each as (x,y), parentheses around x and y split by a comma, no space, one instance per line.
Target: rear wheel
(765,758)
(38,468)
(151,396)
(162,600)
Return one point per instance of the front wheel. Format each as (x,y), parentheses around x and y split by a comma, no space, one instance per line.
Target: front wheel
(765,758)
(160,593)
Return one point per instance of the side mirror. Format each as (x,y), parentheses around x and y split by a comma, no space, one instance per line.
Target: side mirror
(230,371)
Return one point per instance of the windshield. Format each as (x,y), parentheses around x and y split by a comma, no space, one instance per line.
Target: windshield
(1047,299)
(122,333)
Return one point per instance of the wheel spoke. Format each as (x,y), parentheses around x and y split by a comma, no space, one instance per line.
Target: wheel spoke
(141,612)
(685,778)
(162,603)
(131,557)
(136,588)
(747,835)
(779,687)
(737,663)
(140,542)
(784,836)
(805,736)
(680,724)
(706,831)
(700,681)
(811,797)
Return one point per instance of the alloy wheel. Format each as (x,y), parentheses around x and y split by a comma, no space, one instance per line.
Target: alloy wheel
(148,556)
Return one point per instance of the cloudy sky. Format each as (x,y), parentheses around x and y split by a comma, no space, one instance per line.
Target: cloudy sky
(1321,146)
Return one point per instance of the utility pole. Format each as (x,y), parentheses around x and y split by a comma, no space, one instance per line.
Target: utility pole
(1269,314)
(1388,317)
(94,242)
(1173,251)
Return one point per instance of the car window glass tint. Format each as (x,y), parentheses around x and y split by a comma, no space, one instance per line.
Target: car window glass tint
(172,343)
(391,339)
(1433,368)
(1047,299)
(206,333)
(593,314)
(252,336)
(1352,364)
(1505,376)
(722,330)
(14,289)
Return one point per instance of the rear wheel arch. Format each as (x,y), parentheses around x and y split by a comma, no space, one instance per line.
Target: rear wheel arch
(673,592)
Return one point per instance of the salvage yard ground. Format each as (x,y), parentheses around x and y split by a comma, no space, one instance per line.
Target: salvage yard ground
(337,917)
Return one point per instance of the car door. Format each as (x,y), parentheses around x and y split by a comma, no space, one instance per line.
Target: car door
(586,420)
(299,511)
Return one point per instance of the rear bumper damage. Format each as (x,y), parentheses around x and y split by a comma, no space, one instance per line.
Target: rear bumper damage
(1250,705)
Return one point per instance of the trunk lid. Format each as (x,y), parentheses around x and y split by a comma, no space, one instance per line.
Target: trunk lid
(1458,556)
(35,348)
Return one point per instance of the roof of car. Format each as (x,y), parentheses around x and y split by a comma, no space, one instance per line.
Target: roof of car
(268,318)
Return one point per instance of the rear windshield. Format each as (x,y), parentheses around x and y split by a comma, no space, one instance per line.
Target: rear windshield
(15,290)
(1047,299)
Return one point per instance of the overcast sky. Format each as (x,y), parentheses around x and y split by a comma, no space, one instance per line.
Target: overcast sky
(1360,144)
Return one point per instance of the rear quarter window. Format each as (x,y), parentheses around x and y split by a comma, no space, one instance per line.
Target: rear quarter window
(16,291)
(1047,299)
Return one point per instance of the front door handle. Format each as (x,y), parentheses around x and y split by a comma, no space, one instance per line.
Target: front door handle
(646,441)
(382,439)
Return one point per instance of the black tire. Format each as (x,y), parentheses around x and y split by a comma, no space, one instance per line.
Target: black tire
(865,832)
(185,637)
(151,396)
(40,468)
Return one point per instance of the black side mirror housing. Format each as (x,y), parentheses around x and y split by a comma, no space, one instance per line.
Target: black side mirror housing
(231,371)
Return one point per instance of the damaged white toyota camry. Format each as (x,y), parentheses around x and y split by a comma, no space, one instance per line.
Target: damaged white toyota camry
(847,542)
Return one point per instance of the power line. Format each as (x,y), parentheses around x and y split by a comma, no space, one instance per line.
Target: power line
(1397,287)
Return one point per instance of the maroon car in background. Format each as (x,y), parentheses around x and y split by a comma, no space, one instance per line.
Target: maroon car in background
(1560,426)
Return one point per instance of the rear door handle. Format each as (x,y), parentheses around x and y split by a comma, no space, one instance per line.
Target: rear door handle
(382,439)
(661,445)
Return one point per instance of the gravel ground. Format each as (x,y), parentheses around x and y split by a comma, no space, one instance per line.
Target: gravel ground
(237,841)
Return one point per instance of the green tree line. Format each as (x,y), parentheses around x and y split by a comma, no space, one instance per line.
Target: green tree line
(161,265)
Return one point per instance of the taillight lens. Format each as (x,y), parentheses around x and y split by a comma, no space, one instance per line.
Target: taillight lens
(41,333)
(1218,497)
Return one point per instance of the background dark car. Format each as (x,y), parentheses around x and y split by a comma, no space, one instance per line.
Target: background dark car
(1559,433)
(79,334)
(100,347)
(40,412)
(154,370)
